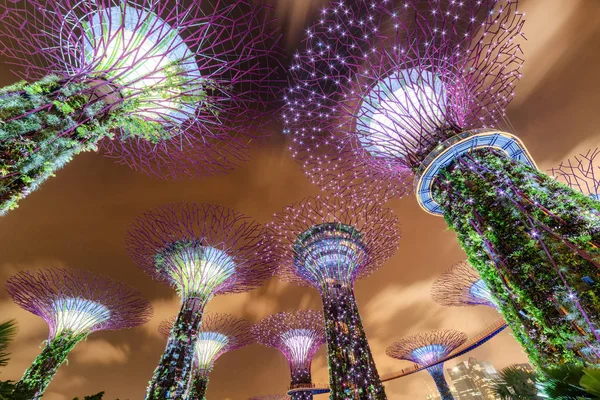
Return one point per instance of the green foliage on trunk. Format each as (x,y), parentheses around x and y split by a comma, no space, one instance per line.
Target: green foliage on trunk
(522,231)
(38,376)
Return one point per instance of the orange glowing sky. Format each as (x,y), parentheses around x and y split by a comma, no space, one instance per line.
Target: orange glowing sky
(79,220)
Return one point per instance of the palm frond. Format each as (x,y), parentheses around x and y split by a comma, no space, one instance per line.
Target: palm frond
(8,330)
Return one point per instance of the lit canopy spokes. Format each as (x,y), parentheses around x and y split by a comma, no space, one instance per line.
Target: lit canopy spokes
(209,346)
(400,111)
(427,348)
(333,240)
(461,286)
(298,342)
(146,58)
(330,253)
(201,249)
(197,270)
(77,315)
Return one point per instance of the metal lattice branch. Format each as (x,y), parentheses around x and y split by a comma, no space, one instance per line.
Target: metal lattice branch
(78,301)
(461,286)
(298,335)
(218,334)
(195,77)
(383,84)
(581,173)
(310,237)
(271,397)
(201,249)
(427,347)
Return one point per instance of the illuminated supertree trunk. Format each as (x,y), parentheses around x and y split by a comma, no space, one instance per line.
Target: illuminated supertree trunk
(176,362)
(437,373)
(75,304)
(329,243)
(218,334)
(202,250)
(519,218)
(347,345)
(161,86)
(429,348)
(419,89)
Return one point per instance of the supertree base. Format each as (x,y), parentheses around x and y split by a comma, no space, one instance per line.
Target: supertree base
(174,372)
(36,379)
(437,373)
(198,388)
(352,371)
(536,243)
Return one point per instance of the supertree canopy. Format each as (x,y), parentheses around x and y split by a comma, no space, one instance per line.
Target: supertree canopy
(74,303)
(171,88)
(581,173)
(418,89)
(298,335)
(202,250)
(428,348)
(218,334)
(328,244)
(461,286)
(271,397)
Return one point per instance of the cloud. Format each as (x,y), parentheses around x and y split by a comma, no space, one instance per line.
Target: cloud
(101,352)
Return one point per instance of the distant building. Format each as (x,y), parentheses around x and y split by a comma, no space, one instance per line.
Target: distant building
(473,380)
(463,382)
(524,367)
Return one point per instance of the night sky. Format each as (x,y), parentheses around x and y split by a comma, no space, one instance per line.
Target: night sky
(79,220)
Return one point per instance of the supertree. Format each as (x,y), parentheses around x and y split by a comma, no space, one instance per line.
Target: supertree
(417,89)
(202,250)
(298,335)
(581,173)
(171,88)
(328,243)
(271,397)
(428,348)
(461,286)
(74,303)
(218,334)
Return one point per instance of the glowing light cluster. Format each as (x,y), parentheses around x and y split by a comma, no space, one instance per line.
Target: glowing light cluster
(201,249)
(76,315)
(329,253)
(195,269)
(298,342)
(78,301)
(138,50)
(460,286)
(399,110)
(297,335)
(208,346)
(322,241)
(427,347)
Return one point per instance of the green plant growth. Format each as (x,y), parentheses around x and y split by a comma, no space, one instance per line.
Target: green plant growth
(536,244)
(514,383)
(8,330)
(37,377)
(97,396)
(42,126)
(45,123)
